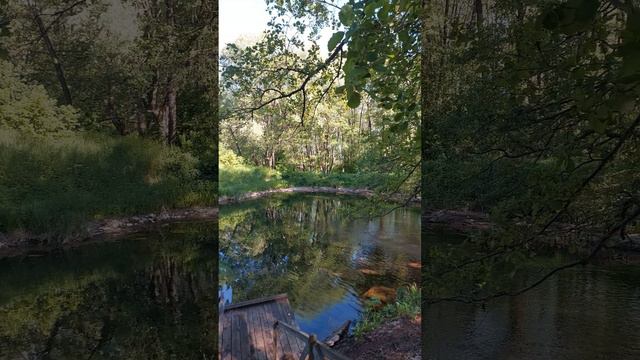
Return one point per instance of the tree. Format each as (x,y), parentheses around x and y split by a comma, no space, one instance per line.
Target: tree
(534,117)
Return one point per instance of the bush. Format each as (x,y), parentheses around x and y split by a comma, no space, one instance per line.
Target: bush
(29,108)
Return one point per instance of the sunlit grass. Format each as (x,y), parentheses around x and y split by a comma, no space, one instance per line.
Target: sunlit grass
(237,179)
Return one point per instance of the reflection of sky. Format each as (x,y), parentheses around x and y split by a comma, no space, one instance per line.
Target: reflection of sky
(226,293)
(330,318)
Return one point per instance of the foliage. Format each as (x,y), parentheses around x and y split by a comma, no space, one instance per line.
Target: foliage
(91,91)
(407,304)
(29,108)
(82,177)
(237,178)
(532,116)
(284,103)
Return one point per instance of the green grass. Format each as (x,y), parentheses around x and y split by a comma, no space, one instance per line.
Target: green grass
(236,179)
(53,185)
(407,304)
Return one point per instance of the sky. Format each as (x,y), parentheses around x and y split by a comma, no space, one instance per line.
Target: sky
(249,18)
(241,18)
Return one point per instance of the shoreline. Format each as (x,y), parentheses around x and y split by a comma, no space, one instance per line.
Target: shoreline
(253,195)
(21,243)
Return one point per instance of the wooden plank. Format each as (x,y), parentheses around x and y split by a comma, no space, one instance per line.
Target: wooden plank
(257,339)
(266,325)
(235,335)
(287,312)
(283,338)
(244,336)
(247,331)
(226,337)
(254,301)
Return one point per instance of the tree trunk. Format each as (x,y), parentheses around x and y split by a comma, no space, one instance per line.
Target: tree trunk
(165,111)
(51,50)
(479,16)
(112,114)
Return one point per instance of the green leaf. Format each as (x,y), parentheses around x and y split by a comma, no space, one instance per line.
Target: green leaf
(346,15)
(370,8)
(335,39)
(597,125)
(404,36)
(353,99)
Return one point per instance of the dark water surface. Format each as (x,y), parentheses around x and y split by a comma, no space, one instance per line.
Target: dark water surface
(149,296)
(308,247)
(582,313)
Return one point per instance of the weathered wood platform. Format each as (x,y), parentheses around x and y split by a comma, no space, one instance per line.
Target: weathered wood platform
(247,330)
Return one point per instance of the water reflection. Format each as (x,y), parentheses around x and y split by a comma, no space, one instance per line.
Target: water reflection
(309,247)
(149,296)
(583,313)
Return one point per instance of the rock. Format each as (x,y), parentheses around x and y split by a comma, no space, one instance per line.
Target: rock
(369,272)
(339,334)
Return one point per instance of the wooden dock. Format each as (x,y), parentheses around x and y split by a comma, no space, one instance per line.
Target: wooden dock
(247,330)
(265,329)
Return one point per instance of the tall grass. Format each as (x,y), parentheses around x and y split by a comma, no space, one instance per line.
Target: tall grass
(239,178)
(52,185)
(407,304)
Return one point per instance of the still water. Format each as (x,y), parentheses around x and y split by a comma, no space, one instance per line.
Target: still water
(319,251)
(581,313)
(149,296)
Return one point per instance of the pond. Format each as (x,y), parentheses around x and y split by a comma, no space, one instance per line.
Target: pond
(150,295)
(590,312)
(320,251)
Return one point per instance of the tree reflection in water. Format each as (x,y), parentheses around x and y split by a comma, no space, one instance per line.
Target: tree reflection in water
(316,251)
(151,296)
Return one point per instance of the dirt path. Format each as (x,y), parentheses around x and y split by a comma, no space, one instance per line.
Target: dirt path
(399,339)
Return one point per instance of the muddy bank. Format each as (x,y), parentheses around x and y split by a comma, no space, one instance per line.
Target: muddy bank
(24,243)
(399,339)
(457,220)
(225,200)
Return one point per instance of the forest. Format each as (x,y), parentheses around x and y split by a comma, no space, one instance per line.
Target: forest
(326,98)
(531,116)
(295,111)
(107,108)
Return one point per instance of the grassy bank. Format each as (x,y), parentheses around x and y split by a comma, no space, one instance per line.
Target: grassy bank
(407,304)
(240,178)
(53,185)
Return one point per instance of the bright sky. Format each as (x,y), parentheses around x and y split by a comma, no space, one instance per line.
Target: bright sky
(241,18)
(249,18)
